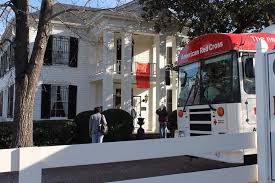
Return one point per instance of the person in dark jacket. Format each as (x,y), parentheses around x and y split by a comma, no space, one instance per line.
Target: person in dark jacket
(163,118)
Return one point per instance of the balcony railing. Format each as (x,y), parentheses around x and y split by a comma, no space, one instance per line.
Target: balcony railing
(153,68)
(99,67)
(117,68)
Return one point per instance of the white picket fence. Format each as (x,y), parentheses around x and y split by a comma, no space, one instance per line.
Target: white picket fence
(29,162)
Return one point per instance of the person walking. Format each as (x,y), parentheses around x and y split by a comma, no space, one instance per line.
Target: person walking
(94,126)
(163,114)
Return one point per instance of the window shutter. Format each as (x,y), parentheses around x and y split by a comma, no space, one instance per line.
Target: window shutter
(45,101)
(48,52)
(167,77)
(73,52)
(10,101)
(72,102)
(12,58)
(169,55)
(118,49)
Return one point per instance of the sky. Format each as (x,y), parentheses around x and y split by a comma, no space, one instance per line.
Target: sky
(88,3)
(91,3)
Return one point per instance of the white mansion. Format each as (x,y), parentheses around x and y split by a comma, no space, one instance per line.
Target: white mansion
(93,58)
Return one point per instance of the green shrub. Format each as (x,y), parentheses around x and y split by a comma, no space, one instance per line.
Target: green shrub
(45,133)
(54,132)
(82,122)
(172,122)
(7,130)
(120,125)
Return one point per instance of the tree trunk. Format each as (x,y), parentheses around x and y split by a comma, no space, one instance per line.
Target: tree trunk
(27,71)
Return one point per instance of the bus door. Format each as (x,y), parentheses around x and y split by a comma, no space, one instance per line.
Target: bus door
(271,75)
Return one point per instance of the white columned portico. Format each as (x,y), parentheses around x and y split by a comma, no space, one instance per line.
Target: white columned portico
(126,63)
(160,41)
(108,60)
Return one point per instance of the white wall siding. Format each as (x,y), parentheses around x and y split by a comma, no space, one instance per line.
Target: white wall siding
(65,75)
(143,48)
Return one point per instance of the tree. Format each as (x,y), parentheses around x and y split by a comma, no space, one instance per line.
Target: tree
(28,66)
(27,70)
(205,16)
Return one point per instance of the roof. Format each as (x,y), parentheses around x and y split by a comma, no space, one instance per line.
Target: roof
(82,14)
(212,44)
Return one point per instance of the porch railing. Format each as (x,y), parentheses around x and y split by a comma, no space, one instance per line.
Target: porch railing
(117,68)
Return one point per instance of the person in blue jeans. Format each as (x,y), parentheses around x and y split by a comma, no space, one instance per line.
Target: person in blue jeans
(94,123)
(163,118)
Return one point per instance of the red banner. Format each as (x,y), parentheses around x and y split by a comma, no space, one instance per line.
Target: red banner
(143,75)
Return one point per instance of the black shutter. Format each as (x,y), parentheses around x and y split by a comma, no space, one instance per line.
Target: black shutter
(48,52)
(12,52)
(118,49)
(167,77)
(72,102)
(133,46)
(169,55)
(45,101)
(73,52)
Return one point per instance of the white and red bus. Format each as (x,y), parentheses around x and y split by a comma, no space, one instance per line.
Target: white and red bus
(216,89)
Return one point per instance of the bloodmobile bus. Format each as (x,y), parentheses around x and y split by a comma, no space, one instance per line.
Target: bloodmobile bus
(216,89)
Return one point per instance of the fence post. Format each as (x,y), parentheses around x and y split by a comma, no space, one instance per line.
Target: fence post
(262,98)
(30,169)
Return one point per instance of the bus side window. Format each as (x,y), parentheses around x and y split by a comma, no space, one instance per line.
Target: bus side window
(249,68)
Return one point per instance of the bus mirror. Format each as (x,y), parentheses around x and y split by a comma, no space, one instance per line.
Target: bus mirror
(249,68)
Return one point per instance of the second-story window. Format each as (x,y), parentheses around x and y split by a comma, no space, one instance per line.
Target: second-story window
(6,60)
(61,50)
(4,64)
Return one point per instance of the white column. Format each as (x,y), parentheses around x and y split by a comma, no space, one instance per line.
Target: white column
(92,95)
(174,75)
(126,79)
(160,64)
(108,60)
(262,100)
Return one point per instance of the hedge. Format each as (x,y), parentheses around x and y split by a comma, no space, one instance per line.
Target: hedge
(172,122)
(120,124)
(45,133)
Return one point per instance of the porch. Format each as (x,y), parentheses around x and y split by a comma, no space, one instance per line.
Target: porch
(114,75)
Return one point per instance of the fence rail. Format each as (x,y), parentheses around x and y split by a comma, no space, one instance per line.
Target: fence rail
(30,161)
(243,174)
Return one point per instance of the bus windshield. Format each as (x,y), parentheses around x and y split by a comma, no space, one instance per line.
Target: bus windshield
(211,81)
